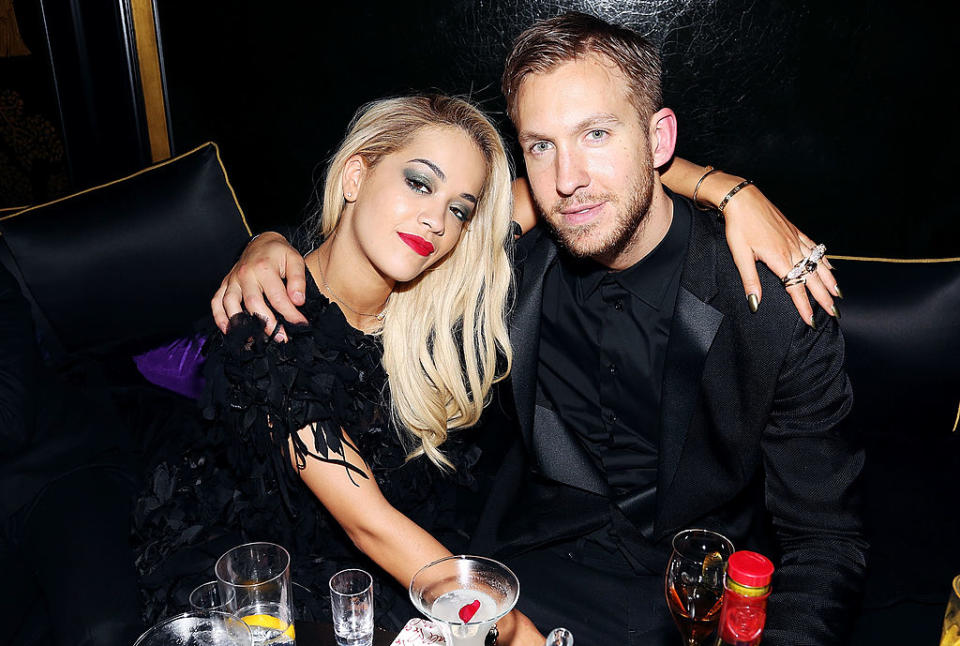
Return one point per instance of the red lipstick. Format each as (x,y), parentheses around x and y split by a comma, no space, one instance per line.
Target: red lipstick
(418,244)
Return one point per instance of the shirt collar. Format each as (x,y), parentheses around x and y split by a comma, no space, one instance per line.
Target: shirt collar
(649,278)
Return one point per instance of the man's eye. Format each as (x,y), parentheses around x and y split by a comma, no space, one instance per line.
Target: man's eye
(417,185)
(539,147)
(597,134)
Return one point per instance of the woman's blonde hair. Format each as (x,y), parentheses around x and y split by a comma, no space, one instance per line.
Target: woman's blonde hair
(445,331)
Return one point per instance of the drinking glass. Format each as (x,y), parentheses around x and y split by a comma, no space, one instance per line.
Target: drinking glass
(351,601)
(951,620)
(464,596)
(209,596)
(198,629)
(258,577)
(694,582)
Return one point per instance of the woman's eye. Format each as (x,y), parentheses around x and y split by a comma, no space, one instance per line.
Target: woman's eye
(460,214)
(417,185)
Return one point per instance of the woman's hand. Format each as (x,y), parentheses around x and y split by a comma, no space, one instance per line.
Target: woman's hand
(757,230)
(515,629)
(265,263)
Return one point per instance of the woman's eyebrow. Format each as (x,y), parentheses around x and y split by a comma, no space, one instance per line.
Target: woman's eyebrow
(436,169)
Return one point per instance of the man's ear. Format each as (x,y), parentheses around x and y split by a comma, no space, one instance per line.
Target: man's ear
(663,136)
(352,177)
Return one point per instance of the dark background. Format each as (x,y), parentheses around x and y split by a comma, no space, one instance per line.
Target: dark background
(839,111)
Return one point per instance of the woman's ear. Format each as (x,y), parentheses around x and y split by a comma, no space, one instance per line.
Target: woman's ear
(353,173)
(663,136)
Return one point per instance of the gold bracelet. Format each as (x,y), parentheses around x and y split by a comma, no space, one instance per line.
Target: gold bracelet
(733,191)
(709,170)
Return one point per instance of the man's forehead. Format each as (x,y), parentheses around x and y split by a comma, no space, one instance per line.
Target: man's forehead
(572,90)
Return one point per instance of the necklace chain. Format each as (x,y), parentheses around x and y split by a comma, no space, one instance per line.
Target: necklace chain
(379,316)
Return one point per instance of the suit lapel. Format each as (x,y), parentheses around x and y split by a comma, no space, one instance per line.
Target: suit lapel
(525,327)
(695,324)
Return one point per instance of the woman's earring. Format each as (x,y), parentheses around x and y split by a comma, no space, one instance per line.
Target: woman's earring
(349,194)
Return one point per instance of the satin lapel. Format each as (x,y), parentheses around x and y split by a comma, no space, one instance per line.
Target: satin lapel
(525,329)
(694,327)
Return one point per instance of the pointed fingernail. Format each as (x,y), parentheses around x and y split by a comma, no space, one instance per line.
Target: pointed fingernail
(753,302)
(298,295)
(836,289)
(813,323)
(836,311)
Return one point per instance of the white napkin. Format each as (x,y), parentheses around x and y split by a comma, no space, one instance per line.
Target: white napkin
(419,632)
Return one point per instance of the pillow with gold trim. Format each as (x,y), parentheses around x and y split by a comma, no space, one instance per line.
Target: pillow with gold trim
(125,263)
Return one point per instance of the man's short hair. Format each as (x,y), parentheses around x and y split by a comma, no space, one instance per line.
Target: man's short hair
(558,40)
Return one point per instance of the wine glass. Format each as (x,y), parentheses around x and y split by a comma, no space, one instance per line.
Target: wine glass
(951,620)
(694,582)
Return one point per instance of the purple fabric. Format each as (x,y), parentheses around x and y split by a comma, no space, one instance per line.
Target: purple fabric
(177,366)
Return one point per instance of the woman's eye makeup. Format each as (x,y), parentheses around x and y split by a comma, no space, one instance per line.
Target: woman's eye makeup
(417,181)
(462,213)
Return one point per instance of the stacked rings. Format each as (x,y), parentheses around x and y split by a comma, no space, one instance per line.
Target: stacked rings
(798,274)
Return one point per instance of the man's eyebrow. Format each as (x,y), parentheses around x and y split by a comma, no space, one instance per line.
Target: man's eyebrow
(602,118)
(432,166)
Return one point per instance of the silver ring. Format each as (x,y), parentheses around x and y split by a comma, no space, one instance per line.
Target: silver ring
(798,273)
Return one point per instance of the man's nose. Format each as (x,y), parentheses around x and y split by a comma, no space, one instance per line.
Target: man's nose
(571,172)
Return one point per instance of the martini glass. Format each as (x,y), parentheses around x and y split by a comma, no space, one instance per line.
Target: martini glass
(444,589)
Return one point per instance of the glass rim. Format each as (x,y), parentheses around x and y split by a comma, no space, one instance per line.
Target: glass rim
(956,586)
(216,583)
(198,614)
(706,532)
(281,573)
(465,557)
(349,594)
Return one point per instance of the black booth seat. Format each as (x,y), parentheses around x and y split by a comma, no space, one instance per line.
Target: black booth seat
(116,269)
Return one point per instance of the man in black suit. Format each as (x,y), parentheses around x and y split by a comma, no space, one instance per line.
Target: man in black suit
(648,395)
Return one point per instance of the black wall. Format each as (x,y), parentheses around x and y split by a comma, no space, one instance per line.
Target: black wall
(840,111)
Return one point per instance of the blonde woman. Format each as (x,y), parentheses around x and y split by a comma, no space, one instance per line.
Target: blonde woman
(405,334)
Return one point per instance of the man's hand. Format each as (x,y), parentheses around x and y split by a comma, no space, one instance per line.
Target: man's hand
(261,270)
(516,630)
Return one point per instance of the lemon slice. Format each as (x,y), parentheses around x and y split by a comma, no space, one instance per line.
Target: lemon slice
(271,623)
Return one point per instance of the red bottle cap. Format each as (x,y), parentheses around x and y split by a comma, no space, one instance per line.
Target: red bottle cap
(750,569)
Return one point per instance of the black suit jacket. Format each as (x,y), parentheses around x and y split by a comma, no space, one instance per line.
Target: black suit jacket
(751,433)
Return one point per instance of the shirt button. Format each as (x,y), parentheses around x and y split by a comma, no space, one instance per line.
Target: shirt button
(610,416)
(613,369)
(618,305)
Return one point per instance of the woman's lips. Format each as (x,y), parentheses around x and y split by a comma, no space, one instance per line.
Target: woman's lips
(418,244)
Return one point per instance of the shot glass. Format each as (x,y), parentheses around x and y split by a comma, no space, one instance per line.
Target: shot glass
(257,576)
(351,600)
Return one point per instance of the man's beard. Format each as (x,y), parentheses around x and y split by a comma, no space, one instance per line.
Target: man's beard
(602,239)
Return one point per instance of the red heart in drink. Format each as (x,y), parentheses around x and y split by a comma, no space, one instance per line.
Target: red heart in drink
(468,611)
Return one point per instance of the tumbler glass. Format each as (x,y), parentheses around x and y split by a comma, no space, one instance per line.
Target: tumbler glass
(258,576)
(210,596)
(198,629)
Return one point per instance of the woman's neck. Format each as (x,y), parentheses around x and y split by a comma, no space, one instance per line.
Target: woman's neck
(346,277)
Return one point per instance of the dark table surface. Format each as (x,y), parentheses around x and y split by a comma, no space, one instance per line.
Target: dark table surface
(310,633)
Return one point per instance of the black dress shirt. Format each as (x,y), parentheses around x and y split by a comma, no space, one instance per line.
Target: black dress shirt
(603,340)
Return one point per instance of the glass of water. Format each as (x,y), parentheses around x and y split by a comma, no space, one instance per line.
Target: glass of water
(351,599)
(198,629)
(257,577)
(209,596)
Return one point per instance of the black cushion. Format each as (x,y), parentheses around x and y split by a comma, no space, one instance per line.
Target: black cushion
(901,322)
(131,260)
